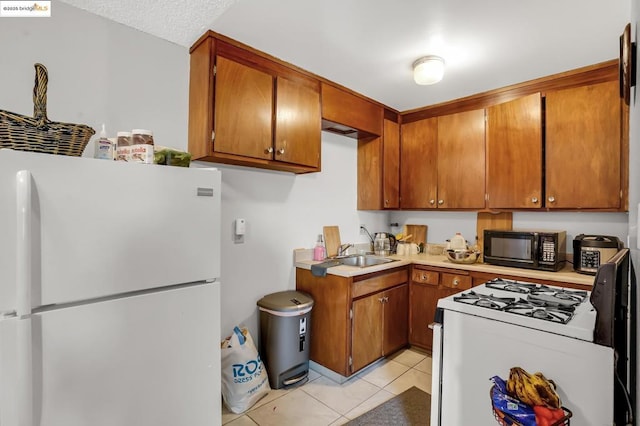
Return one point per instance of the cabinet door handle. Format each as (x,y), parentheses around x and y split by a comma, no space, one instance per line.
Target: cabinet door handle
(386,299)
(381,299)
(456,282)
(281,151)
(432,202)
(424,277)
(440,202)
(534,200)
(268,150)
(552,199)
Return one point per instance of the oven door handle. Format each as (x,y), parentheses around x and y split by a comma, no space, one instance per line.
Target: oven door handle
(436,374)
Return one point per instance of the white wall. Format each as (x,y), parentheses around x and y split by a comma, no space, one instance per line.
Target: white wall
(99,72)
(284,211)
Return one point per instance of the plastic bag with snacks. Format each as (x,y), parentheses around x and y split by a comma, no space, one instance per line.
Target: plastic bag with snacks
(171,157)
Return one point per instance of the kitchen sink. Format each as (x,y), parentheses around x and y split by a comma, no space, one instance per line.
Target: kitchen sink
(363,260)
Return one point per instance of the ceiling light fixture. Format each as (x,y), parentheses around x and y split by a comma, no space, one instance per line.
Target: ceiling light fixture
(428,70)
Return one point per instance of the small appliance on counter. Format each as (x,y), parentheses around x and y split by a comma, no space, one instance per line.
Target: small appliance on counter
(525,248)
(591,251)
(384,244)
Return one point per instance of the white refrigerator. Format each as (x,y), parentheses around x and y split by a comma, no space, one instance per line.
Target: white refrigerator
(109,293)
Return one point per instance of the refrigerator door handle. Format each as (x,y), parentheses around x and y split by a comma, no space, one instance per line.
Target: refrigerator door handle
(23,243)
(436,390)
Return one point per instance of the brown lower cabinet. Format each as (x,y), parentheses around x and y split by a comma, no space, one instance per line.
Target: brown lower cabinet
(356,320)
(427,286)
(379,325)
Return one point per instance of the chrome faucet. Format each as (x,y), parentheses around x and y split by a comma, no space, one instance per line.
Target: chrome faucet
(369,235)
(342,248)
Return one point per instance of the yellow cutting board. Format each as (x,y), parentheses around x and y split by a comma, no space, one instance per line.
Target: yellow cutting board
(419,233)
(331,239)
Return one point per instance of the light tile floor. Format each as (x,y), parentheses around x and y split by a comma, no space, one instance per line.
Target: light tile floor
(322,401)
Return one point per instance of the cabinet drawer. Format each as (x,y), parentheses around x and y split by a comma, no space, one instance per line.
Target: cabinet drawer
(379,282)
(425,277)
(461,282)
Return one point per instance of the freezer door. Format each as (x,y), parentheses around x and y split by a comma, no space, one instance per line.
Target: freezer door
(91,228)
(147,360)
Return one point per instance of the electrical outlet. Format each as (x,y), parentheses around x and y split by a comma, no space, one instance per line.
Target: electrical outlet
(362,229)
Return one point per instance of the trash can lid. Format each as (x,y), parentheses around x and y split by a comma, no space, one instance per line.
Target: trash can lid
(286,301)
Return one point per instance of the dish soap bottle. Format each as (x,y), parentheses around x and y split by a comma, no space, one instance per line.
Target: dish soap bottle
(319,252)
(104,147)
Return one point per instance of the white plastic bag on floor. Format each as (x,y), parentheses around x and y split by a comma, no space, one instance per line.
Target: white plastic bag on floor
(244,377)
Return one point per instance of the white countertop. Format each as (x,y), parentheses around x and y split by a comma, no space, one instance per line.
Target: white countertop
(303,259)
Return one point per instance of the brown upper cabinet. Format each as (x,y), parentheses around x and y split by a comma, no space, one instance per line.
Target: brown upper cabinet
(582,164)
(583,147)
(391,164)
(514,154)
(555,143)
(419,167)
(379,167)
(248,109)
(443,162)
(349,114)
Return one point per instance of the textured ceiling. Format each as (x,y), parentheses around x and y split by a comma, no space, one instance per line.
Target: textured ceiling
(369,45)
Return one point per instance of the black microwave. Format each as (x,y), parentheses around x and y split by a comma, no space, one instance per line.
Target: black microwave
(523,248)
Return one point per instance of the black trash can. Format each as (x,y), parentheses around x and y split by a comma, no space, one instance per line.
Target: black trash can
(285,335)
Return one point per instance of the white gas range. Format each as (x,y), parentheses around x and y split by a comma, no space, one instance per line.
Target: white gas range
(485,331)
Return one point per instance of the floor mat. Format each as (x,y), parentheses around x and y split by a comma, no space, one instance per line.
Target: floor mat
(411,407)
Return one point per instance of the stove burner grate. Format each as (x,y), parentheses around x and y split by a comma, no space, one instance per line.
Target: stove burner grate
(554,314)
(484,300)
(560,296)
(555,296)
(510,285)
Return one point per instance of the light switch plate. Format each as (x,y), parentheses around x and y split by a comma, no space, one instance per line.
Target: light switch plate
(241,227)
